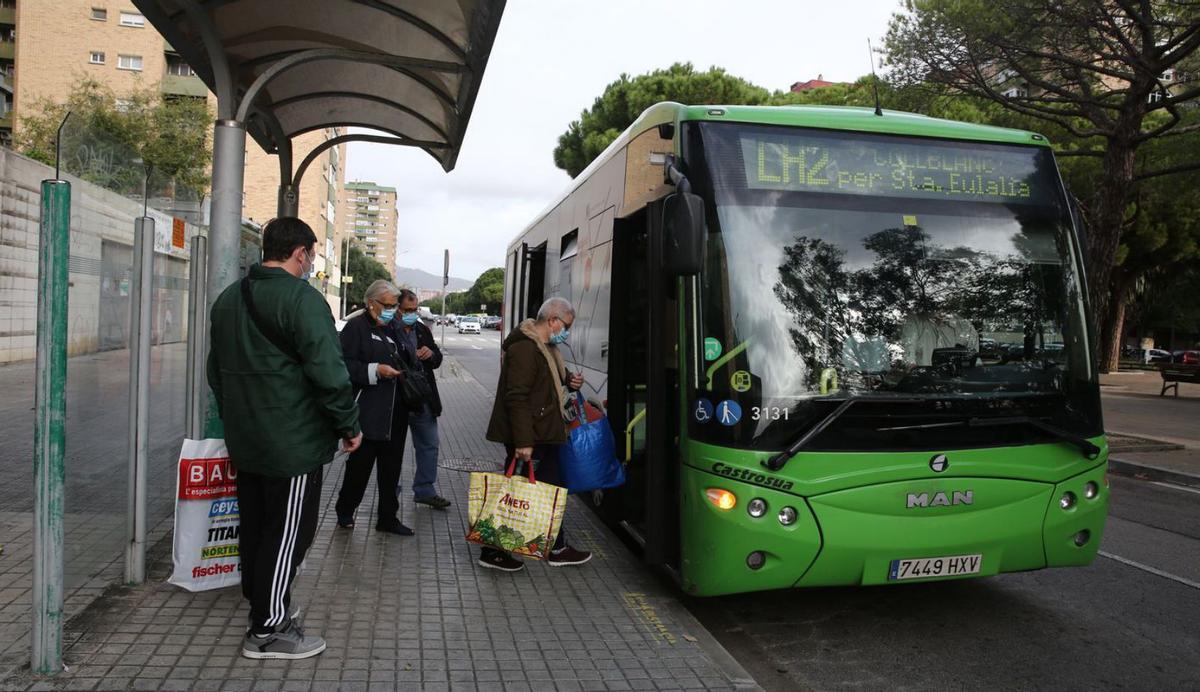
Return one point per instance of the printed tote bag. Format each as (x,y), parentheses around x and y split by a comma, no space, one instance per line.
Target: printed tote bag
(513,513)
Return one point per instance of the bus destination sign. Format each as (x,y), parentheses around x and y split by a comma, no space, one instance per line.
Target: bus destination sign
(892,168)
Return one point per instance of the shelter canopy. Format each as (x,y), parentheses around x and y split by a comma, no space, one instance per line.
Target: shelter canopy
(410,68)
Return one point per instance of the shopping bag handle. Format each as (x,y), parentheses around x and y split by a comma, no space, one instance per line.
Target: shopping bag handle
(512,468)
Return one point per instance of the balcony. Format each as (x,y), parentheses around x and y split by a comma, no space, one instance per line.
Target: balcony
(176,85)
(8,50)
(8,16)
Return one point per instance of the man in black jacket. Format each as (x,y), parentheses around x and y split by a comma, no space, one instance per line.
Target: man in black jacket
(422,421)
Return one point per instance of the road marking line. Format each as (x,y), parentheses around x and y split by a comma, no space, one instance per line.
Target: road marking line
(1151,570)
(1173,486)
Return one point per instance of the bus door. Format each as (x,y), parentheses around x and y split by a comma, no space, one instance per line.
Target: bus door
(642,388)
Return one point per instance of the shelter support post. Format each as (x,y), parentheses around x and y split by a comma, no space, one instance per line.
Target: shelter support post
(197,344)
(289,200)
(142,288)
(49,433)
(225,228)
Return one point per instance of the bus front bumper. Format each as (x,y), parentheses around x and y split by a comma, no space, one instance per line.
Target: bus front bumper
(878,534)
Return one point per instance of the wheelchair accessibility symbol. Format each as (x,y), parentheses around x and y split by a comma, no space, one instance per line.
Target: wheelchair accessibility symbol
(703,411)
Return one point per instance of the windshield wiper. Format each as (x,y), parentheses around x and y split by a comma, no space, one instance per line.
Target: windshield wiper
(1089,450)
(778,461)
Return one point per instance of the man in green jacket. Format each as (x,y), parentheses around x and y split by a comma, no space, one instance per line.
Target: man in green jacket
(282,391)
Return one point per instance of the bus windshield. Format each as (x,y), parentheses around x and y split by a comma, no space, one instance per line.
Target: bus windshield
(935,278)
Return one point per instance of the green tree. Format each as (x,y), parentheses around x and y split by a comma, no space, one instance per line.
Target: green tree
(487,290)
(1093,69)
(107,133)
(625,99)
(365,270)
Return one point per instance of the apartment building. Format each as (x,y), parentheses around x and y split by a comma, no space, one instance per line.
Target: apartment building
(47,47)
(369,218)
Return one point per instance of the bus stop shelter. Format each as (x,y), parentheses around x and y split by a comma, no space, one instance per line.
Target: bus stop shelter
(407,71)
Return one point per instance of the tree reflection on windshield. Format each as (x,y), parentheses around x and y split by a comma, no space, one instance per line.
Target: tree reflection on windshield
(921,317)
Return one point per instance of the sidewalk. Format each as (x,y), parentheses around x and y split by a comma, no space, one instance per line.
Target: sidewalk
(410,613)
(1152,436)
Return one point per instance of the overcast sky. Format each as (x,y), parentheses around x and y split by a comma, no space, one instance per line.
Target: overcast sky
(551,59)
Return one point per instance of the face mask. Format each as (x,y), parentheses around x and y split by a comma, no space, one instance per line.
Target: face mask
(410,318)
(386,315)
(560,337)
(306,274)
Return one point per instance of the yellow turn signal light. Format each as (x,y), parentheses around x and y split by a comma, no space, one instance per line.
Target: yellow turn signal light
(721,498)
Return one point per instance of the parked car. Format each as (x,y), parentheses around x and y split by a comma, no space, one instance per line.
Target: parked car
(469,324)
(491,322)
(1186,357)
(1156,355)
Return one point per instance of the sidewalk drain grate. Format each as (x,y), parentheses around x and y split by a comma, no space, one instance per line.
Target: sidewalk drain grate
(470,464)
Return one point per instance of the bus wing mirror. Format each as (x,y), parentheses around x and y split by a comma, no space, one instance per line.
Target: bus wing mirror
(684,229)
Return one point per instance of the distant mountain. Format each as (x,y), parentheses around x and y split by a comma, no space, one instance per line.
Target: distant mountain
(418,278)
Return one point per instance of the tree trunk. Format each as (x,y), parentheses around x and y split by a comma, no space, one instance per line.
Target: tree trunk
(1104,233)
(1113,337)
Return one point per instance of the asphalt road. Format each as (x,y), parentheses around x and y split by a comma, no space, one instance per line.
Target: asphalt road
(1126,621)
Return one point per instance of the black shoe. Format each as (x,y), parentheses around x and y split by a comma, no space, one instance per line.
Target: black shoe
(345,522)
(501,561)
(395,527)
(567,556)
(434,501)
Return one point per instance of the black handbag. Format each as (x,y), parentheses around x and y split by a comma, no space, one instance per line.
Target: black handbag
(415,390)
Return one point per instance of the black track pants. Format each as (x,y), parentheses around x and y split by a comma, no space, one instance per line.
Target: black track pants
(279,519)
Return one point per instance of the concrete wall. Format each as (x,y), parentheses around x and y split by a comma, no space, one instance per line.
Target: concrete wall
(99,265)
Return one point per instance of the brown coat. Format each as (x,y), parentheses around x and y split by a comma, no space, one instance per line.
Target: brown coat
(528,406)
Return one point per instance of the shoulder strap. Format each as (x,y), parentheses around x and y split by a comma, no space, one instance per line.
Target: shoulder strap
(263,327)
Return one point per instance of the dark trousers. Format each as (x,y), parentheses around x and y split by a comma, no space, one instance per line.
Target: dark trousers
(546,469)
(385,456)
(278,522)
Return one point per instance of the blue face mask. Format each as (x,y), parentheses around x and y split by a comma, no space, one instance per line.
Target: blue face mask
(306,275)
(410,318)
(386,315)
(560,337)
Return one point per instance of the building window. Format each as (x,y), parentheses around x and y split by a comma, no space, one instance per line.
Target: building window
(100,14)
(176,66)
(129,62)
(1016,93)
(96,58)
(1156,96)
(132,19)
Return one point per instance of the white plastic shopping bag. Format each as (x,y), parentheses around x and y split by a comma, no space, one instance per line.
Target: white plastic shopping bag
(206,518)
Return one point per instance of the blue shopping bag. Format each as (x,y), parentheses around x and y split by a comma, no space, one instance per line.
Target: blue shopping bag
(588,461)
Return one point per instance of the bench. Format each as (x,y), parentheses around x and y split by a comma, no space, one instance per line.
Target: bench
(1174,373)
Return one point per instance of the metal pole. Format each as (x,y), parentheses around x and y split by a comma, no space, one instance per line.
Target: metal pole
(289,201)
(49,430)
(225,231)
(141,290)
(197,339)
(445,284)
(345,266)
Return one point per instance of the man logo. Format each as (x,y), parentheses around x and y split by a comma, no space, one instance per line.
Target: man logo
(939,463)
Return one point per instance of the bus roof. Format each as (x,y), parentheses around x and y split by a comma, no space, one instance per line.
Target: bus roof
(849,118)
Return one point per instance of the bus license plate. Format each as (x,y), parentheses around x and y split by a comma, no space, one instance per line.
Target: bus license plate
(929,567)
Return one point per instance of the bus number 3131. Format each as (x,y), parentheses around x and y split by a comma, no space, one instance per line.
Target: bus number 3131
(768,413)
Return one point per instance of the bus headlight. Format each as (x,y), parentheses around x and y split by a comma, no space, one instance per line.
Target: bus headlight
(721,498)
(787,516)
(1091,490)
(757,507)
(1067,501)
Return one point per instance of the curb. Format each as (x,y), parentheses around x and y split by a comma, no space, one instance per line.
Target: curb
(1121,467)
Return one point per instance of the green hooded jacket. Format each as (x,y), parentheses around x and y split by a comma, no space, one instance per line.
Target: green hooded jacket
(282,418)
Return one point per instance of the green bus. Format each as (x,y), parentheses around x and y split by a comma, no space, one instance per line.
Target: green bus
(836,346)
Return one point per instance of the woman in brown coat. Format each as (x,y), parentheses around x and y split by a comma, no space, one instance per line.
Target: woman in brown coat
(529,414)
